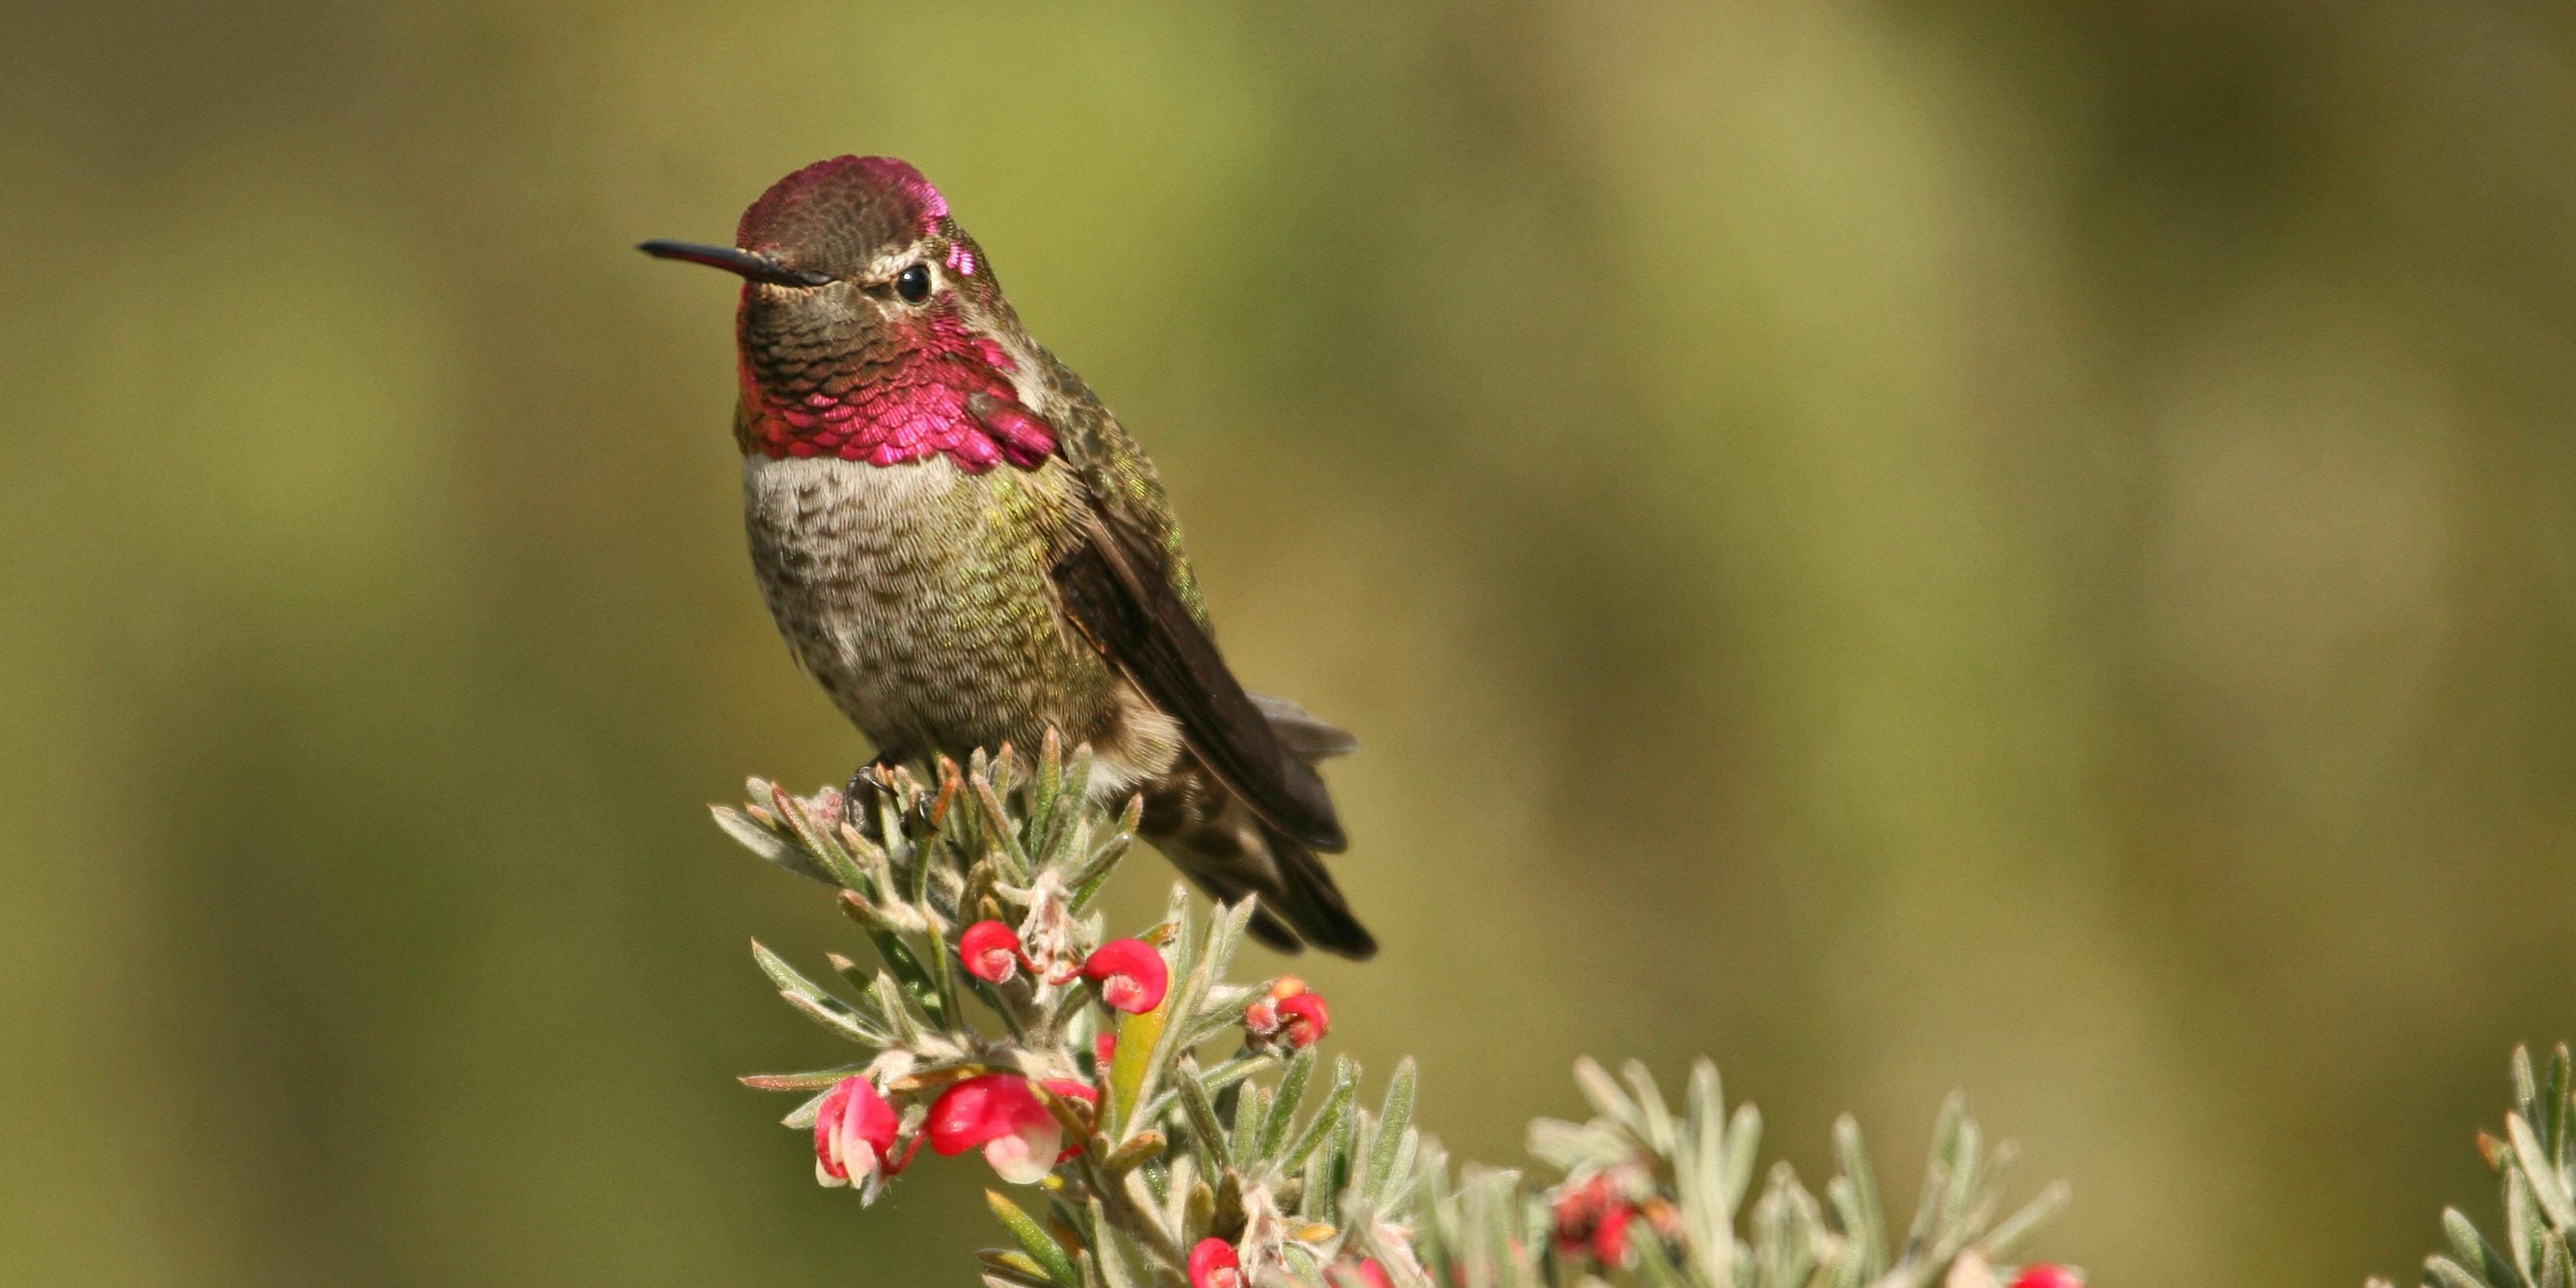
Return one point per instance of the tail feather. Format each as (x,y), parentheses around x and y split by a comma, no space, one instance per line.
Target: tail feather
(1308,899)
(1305,737)
(1300,903)
(1219,843)
(1265,925)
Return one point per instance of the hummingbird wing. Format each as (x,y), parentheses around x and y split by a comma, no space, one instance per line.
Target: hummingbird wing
(1126,586)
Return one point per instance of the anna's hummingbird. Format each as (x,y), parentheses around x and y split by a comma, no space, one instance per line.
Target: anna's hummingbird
(960,542)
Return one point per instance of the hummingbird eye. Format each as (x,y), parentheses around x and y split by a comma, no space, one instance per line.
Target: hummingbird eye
(913,284)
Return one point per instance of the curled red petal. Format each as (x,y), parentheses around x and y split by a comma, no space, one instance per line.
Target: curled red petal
(1130,973)
(990,951)
(1214,1265)
(1305,1019)
(827,1129)
(983,1108)
(853,1113)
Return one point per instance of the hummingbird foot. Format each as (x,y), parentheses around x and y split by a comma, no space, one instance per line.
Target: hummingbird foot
(873,782)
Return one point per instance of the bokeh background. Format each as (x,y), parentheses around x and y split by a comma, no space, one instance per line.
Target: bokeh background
(2029,548)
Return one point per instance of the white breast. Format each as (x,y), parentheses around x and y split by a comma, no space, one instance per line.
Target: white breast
(846,556)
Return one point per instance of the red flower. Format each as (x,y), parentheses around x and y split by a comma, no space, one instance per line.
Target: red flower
(1213,1265)
(2048,1274)
(998,1111)
(853,1130)
(1610,1237)
(1367,1272)
(1304,1019)
(1130,973)
(990,950)
(1104,1050)
(1592,1219)
(1289,1014)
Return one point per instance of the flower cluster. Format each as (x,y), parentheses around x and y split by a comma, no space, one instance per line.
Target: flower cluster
(1287,1015)
(1184,1131)
(1019,1123)
(1593,1215)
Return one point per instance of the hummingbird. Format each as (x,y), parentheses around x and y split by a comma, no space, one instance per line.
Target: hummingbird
(962,545)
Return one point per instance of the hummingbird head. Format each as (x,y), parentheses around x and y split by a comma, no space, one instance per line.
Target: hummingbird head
(869,320)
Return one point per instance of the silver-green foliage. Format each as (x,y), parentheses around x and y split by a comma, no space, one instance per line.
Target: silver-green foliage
(1697,1167)
(1272,1149)
(2537,1157)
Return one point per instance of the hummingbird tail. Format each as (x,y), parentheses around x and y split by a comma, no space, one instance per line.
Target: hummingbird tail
(1308,900)
(1219,843)
(1300,905)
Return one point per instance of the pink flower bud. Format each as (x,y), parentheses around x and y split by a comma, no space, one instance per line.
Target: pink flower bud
(1304,1019)
(853,1130)
(2048,1274)
(1130,973)
(1261,1018)
(1213,1265)
(998,1111)
(1369,1272)
(990,950)
(1104,1049)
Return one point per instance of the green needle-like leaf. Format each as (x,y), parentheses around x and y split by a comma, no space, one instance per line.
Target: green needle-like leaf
(1283,1106)
(2006,1238)
(1743,1134)
(2475,1252)
(821,1007)
(1209,1133)
(1112,1264)
(1393,1117)
(1654,1267)
(767,844)
(1012,1269)
(1328,1119)
(2547,1185)
(1034,1240)
(818,1080)
(1251,1114)
(1870,1220)
(1607,1099)
(907,969)
(2448,1274)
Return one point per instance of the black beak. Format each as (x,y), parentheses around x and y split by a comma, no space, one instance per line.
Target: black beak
(758,268)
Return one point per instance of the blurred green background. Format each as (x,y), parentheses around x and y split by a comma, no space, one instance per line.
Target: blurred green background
(1903,546)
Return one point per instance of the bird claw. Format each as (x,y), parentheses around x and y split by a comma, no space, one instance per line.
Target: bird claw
(859,799)
(872,783)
